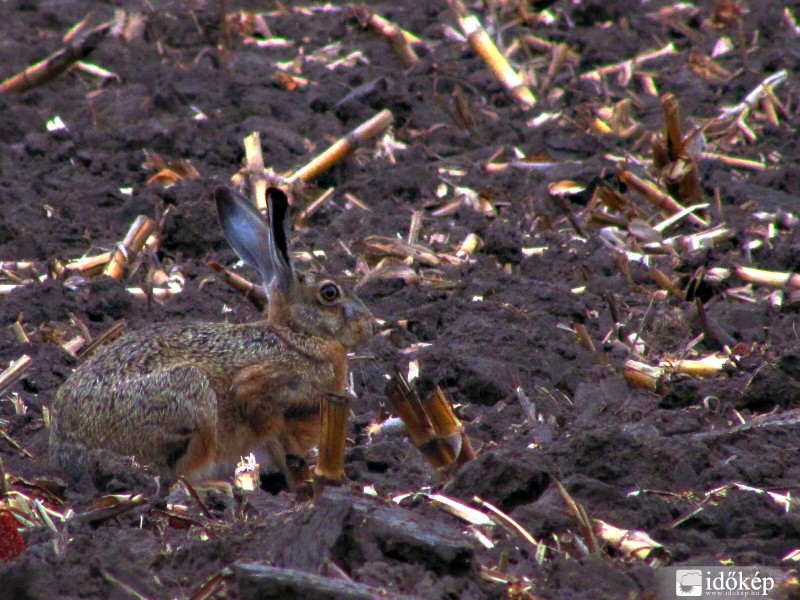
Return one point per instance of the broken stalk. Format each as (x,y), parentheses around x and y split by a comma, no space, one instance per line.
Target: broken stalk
(344,147)
(124,253)
(333,427)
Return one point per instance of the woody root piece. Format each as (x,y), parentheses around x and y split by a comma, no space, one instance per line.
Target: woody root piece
(432,426)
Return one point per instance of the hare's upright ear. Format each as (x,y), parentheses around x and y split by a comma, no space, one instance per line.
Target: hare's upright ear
(279,230)
(262,247)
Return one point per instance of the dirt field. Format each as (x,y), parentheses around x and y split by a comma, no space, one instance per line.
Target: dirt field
(686,462)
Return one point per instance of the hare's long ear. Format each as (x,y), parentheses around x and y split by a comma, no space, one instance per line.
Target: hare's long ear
(247,233)
(279,230)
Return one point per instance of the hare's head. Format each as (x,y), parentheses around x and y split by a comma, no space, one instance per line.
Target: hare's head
(311,302)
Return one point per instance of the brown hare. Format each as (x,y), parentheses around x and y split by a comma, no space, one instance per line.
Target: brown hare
(191,398)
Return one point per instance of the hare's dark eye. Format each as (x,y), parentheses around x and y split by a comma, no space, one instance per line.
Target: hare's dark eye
(329,291)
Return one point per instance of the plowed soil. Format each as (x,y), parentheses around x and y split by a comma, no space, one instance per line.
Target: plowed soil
(489,327)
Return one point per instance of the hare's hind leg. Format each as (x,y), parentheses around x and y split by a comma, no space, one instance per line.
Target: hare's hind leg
(175,428)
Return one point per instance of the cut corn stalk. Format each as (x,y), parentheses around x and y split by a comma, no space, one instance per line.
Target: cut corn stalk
(494,59)
(57,63)
(769,278)
(344,147)
(418,425)
(330,463)
(640,375)
(123,255)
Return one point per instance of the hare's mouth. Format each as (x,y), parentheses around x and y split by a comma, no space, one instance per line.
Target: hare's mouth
(362,330)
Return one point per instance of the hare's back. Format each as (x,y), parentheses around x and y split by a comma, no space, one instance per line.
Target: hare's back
(147,369)
(210,346)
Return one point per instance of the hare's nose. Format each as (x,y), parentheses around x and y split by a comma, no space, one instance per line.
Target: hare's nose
(362,320)
(366,327)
